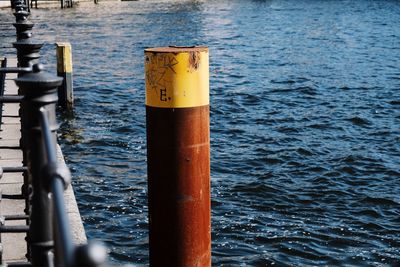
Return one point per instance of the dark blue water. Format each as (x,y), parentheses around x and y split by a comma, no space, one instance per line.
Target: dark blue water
(305,124)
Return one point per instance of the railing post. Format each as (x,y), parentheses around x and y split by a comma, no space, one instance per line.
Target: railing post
(3,64)
(27,48)
(27,53)
(178,156)
(40,90)
(64,70)
(23,26)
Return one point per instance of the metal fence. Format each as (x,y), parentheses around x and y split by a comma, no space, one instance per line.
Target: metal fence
(3,64)
(46,223)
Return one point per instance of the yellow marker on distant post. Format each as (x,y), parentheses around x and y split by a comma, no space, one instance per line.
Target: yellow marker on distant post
(178,156)
(64,69)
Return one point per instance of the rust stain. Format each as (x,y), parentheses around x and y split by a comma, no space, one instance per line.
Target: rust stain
(179,186)
(194,60)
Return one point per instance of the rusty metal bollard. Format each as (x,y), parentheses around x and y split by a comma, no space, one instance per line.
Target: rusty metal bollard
(178,156)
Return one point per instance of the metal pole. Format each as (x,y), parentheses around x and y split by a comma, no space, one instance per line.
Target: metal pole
(23,26)
(178,151)
(2,84)
(57,178)
(64,70)
(2,76)
(27,49)
(39,90)
(27,54)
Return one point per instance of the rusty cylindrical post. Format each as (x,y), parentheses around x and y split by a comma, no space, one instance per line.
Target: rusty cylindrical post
(178,151)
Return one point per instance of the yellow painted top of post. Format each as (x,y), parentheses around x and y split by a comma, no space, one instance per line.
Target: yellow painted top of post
(64,57)
(177,77)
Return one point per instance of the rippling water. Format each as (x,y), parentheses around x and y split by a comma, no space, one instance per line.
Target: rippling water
(305,124)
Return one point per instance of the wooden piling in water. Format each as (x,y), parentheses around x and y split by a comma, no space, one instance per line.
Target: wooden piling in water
(64,70)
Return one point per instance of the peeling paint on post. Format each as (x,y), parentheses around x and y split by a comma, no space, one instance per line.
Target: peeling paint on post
(178,150)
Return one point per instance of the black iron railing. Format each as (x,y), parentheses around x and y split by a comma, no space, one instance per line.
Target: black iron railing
(46,222)
(3,64)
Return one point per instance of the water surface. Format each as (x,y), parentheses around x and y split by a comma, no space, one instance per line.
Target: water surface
(305,115)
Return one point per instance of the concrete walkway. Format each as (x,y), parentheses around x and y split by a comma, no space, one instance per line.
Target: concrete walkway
(14,245)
